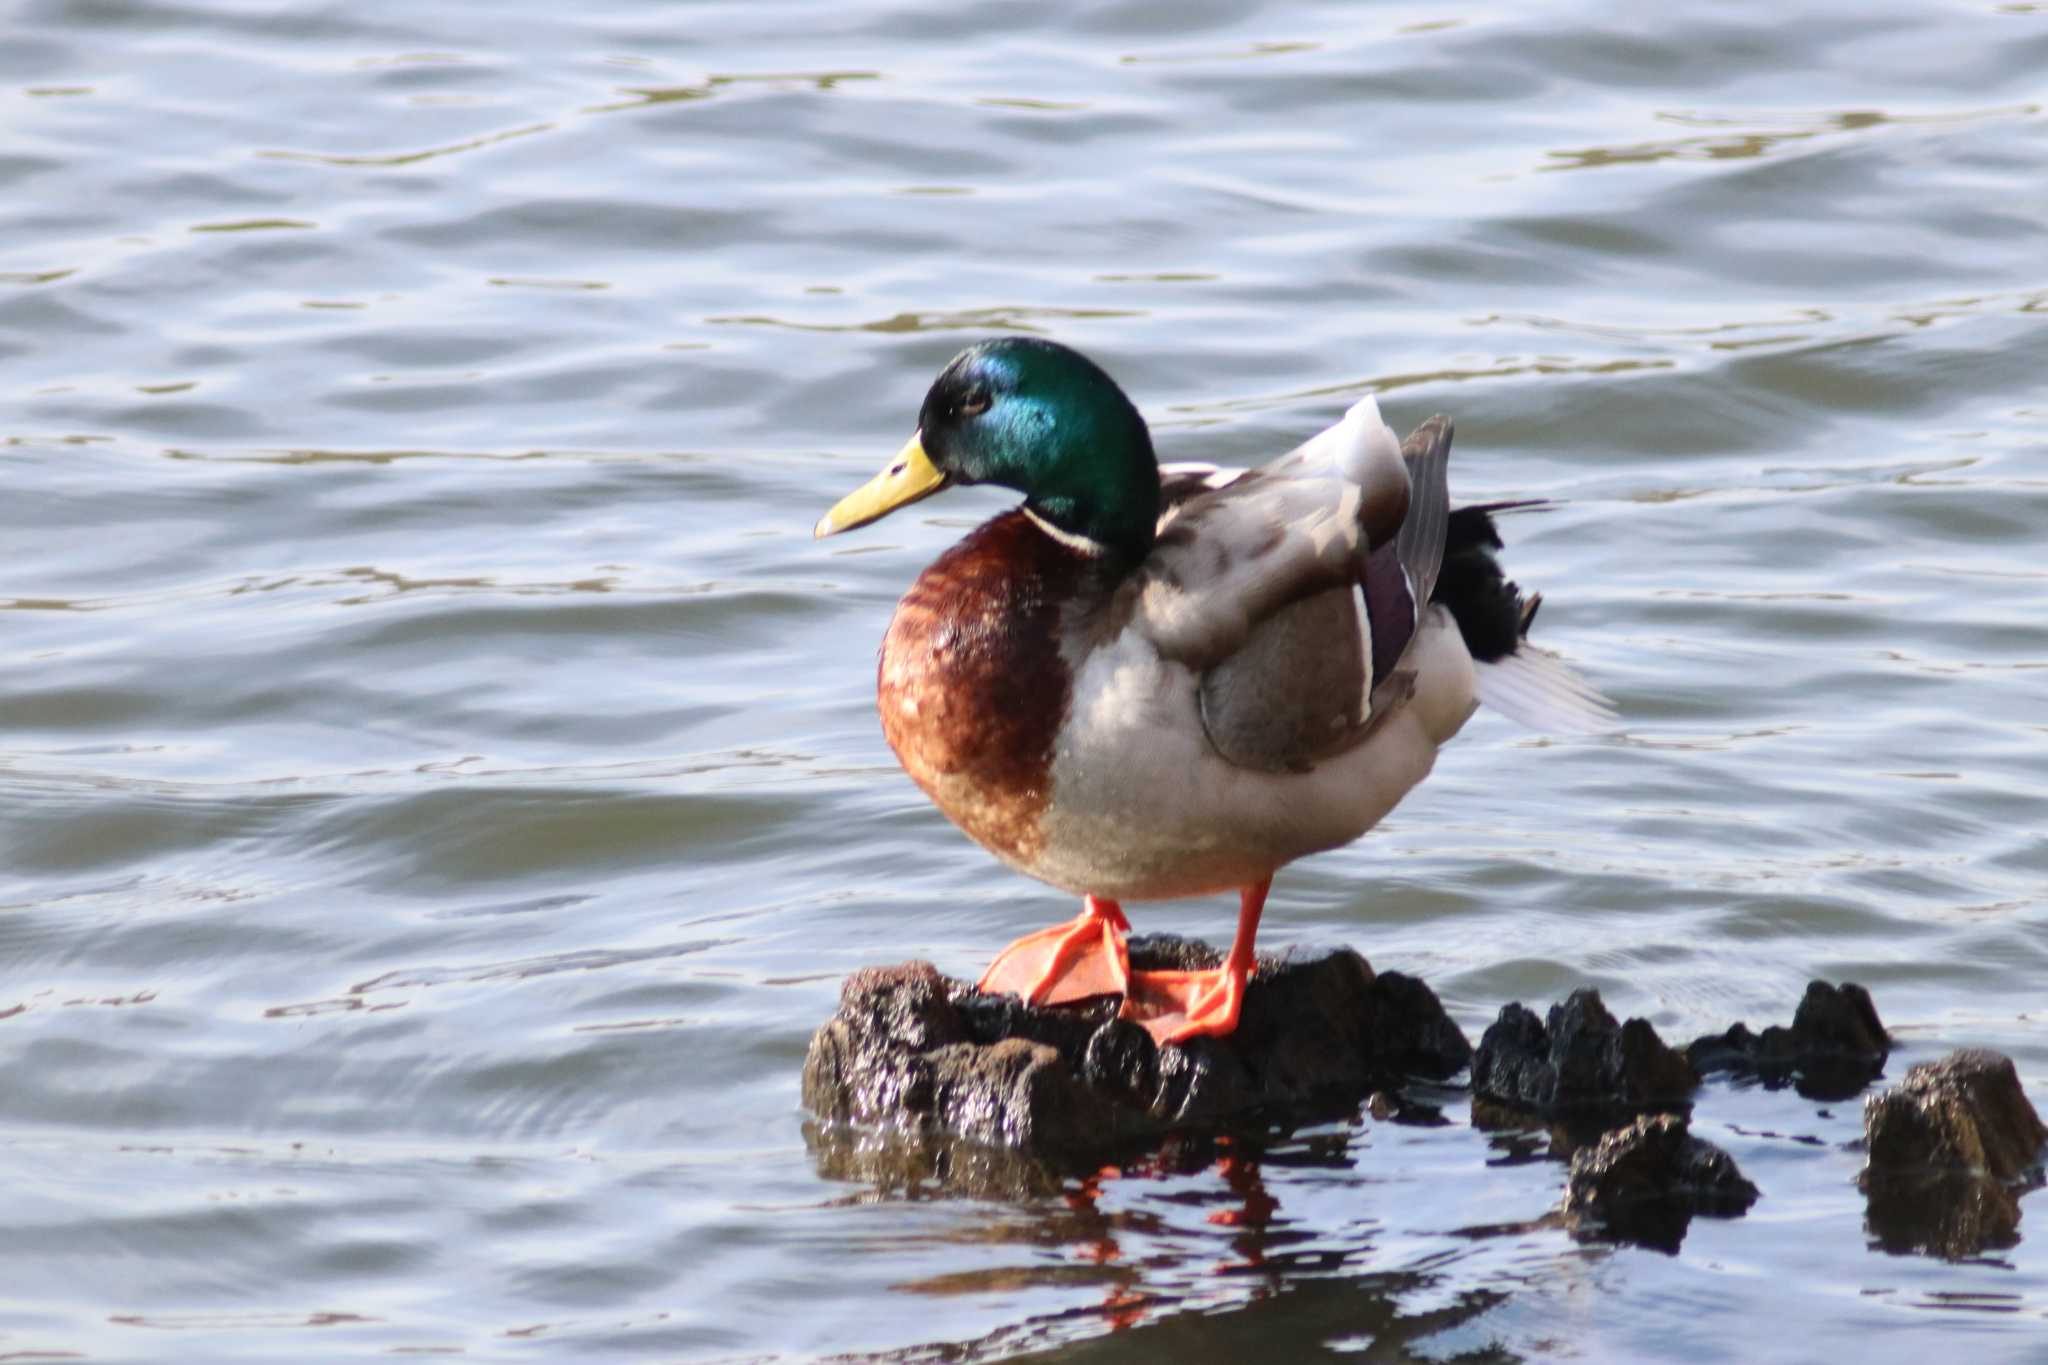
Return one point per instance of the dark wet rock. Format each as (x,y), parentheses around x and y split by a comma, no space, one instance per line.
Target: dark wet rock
(924,1057)
(901,1054)
(1964,1111)
(1949,1151)
(1646,1182)
(1578,1061)
(1121,1061)
(1413,1033)
(1835,1047)
(1171,953)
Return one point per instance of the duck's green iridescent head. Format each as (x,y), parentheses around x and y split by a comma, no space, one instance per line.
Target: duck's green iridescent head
(1035,416)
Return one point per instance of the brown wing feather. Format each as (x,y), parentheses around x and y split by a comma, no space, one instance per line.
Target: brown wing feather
(1291,697)
(1294,692)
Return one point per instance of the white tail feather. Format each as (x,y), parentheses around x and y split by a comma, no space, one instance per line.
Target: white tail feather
(1540,690)
(1359,448)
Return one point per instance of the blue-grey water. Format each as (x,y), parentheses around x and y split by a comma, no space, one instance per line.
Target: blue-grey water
(439,785)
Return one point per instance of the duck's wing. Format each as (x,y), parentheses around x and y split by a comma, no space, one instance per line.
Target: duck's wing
(1293,588)
(1420,545)
(1236,547)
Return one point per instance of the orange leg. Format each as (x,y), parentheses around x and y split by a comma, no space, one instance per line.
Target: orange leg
(1177,1005)
(1071,961)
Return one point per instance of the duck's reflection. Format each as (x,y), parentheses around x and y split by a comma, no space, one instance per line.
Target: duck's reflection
(1151,1247)
(1253,1212)
(1116,1223)
(1123,1304)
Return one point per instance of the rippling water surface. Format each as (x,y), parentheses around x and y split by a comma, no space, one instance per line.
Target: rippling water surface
(439,787)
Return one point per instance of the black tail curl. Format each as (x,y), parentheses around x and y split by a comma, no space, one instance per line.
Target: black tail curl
(1490,610)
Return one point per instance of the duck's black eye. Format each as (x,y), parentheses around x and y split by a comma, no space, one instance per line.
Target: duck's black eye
(974,404)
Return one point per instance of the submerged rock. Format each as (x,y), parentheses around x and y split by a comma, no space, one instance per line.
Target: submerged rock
(926,1057)
(1835,1047)
(1645,1183)
(1950,1149)
(1578,1062)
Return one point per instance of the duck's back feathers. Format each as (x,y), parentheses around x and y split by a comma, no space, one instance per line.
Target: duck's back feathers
(1236,547)
(1308,568)
(1298,670)
(1185,479)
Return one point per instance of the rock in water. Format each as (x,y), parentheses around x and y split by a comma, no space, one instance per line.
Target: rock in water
(923,1056)
(1645,1183)
(1948,1150)
(899,1055)
(1965,1111)
(1578,1061)
(1835,1047)
(1413,1034)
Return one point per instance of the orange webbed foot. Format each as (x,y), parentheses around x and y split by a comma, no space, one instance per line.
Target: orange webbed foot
(1176,1006)
(1073,961)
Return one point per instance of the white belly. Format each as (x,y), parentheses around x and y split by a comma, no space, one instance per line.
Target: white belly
(1143,808)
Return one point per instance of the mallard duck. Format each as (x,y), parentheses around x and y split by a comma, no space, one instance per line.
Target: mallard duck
(1161,681)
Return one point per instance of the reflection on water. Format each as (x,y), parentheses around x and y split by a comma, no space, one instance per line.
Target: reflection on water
(1189,1224)
(1211,1220)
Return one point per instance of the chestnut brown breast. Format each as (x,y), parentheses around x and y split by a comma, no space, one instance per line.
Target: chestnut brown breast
(972,688)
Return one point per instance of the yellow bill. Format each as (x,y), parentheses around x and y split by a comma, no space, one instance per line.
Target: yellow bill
(904,480)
